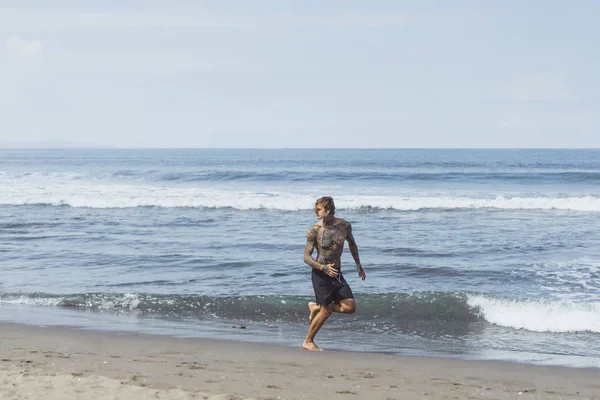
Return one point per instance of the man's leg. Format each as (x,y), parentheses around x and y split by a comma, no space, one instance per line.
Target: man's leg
(315,325)
(314,309)
(345,306)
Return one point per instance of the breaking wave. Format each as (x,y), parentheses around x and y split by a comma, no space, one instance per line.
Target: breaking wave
(393,310)
(125,196)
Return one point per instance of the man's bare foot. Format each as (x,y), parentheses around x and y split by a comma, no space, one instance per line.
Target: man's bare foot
(314,310)
(312,346)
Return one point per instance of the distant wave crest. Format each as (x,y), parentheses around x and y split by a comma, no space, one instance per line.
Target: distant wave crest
(356,171)
(121,196)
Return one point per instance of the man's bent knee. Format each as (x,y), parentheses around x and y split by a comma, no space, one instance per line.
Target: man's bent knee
(348,307)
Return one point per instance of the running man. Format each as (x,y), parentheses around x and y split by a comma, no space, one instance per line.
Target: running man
(331,289)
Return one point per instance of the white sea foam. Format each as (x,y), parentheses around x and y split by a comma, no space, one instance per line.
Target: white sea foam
(31,300)
(562,275)
(126,301)
(97,195)
(539,315)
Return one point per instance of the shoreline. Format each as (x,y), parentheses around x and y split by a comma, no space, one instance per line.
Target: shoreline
(74,363)
(285,335)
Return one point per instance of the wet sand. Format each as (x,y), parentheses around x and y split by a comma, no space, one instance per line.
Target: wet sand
(66,363)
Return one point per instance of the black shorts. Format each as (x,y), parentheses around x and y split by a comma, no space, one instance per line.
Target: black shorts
(328,289)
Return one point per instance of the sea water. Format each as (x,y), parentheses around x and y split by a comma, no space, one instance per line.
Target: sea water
(476,254)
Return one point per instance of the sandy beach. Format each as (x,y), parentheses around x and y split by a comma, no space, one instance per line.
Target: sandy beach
(65,363)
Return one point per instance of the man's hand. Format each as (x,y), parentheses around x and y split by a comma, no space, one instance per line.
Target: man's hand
(361,272)
(329,270)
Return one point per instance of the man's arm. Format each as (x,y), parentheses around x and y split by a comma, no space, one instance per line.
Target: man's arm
(311,241)
(354,251)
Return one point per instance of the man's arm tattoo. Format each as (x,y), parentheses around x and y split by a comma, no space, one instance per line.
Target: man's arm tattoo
(353,247)
(354,252)
(311,241)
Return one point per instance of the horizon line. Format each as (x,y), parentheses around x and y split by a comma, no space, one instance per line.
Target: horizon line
(289,148)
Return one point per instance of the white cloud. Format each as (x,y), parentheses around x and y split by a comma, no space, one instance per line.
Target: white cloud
(73,20)
(23,48)
(379,19)
(11,18)
(512,121)
(542,87)
(365,19)
(340,20)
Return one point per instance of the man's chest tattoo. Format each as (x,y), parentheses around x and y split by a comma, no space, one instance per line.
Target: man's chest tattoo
(332,238)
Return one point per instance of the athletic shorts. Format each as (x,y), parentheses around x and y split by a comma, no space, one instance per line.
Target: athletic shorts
(329,290)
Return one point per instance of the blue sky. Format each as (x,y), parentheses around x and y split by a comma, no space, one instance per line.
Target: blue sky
(300,73)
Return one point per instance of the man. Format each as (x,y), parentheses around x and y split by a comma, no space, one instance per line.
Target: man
(331,289)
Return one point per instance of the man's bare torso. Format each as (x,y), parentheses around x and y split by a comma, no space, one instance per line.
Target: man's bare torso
(329,241)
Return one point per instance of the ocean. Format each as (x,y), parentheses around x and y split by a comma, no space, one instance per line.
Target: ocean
(473,254)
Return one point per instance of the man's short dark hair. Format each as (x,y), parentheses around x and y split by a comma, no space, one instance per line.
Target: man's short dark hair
(327,203)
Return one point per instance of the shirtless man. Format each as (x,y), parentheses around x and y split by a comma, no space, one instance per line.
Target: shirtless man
(331,289)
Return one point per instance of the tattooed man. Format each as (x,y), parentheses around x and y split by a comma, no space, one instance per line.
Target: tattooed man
(331,289)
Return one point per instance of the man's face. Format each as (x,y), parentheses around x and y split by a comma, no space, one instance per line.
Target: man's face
(320,211)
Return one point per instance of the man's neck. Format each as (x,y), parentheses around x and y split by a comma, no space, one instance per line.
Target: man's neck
(328,220)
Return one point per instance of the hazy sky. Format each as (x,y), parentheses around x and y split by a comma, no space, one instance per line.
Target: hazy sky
(327,73)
